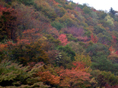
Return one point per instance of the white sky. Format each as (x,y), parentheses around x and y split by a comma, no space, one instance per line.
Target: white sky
(100,4)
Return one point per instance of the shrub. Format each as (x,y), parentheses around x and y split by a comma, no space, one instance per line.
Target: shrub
(14,74)
(57,25)
(26,2)
(68,50)
(25,53)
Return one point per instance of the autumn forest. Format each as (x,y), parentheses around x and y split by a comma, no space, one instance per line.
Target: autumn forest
(57,44)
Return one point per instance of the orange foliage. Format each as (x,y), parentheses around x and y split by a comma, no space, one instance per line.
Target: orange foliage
(32,33)
(75,76)
(79,65)
(113,51)
(94,38)
(29,36)
(23,41)
(2,46)
(48,77)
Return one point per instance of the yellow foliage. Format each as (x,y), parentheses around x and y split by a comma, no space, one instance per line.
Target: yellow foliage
(109,19)
(70,3)
(72,15)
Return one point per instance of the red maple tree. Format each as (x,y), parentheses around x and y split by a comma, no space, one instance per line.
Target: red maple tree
(63,39)
(8,20)
(112,50)
(49,78)
(94,38)
(75,76)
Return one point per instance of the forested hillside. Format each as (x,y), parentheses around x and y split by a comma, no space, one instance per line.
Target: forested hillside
(57,44)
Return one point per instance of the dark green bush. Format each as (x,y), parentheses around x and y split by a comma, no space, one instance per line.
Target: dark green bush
(57,25)
(68,50)
(26,2)
(24,53)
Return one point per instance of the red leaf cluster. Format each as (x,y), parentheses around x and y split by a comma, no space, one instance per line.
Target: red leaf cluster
(8,19)
(108,86)
(2,46)
(23,41)
(113,51)
(63,39)
(94,38)
(75,76)
(29,36)
(72,77)
(79,65)
(114,39)
(49,78)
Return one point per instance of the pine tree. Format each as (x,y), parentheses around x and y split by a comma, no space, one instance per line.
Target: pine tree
(112,11)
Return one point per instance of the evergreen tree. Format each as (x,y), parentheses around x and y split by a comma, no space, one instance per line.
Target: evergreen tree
(112,11)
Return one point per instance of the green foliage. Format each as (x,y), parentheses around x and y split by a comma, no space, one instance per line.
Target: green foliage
(68,50)
(60,1)
(87,32)
(76,47)
(48,20)
(94,15)
(53,40)
(67,21)
(26,2)
(68,7)
(57,25)
(109,20)
(98,29)
(97,50)
(71,38)
(104,38)
(101,63)
(113,59)
(87,10)
(46,9)
(64,60)
(28,53)
(112,11)
(60,11)
(13,74)
(103,77)
(101,15)
(84,59)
